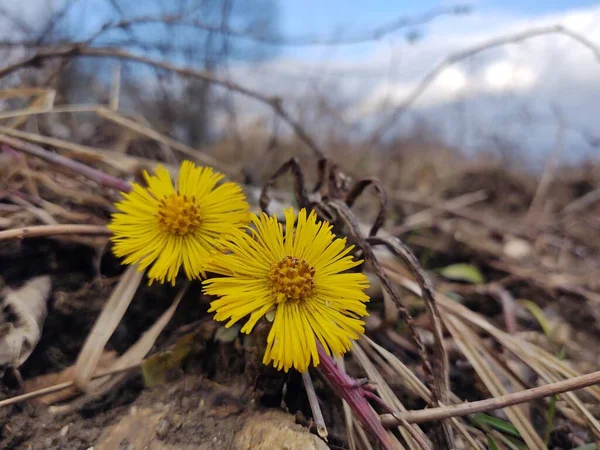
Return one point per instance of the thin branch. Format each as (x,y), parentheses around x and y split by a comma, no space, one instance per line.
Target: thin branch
(77,167)
(515,398)
(428,80)
(17,21)
(79,50)
(53,230)
(374,34)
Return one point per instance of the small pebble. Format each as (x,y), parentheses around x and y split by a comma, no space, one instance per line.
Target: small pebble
(162,429)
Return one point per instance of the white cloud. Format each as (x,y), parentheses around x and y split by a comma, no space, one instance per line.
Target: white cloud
(511,90)
(504,75)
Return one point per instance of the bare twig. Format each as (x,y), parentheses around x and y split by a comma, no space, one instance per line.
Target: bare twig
(582,202)
(358,189)
(426,215)
(77,167)
(183,20)
(53,230)
(433,414)
(80,50)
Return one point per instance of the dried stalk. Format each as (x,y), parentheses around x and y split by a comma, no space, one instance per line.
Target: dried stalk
(53,230)
(441,382)
(65,385)
(515,398)
(314,405)
(77,167)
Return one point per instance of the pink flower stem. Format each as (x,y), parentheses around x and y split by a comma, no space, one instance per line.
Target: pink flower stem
(354,393)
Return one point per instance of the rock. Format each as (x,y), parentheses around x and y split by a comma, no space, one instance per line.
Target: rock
(162,429)
(517,248)
(138,428)
(275,430)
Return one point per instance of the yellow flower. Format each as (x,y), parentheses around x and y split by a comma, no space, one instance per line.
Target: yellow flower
(170,227)
(296,275)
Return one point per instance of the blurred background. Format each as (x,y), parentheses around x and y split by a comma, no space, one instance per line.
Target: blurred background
(499,78)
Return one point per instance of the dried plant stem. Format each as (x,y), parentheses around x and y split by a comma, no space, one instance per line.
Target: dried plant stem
(354,394)
(314,405)
(77,167)
(62,386)
(445,412)
(53,230)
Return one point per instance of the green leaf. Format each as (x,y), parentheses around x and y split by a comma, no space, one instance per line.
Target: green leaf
(498,424)
(538,314)
(227,335)
(550,419)
(591,446)
(492,444)
(462,272)
(155,368)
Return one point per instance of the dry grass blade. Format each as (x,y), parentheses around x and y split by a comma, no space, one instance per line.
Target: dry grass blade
(138,351)
(154,135)
(125,164)
(78,50)
(548,367)
(474,350)
(426,216)
(114,117)
(413,435)
(410,380)
(77,167)
(107,322)
(133,357)
(440,365)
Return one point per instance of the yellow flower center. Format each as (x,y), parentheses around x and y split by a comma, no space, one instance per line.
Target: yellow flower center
(292,279)
(178,214)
